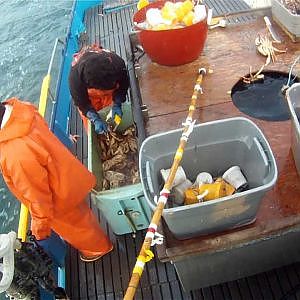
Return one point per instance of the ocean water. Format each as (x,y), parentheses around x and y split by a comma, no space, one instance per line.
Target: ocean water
(28,29)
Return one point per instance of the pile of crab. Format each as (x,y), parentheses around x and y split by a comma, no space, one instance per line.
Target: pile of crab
(119,158)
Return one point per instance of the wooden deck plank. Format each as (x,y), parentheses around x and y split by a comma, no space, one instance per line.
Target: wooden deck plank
(244,288)
(198,294)
(225,290)
(123,36)
(116,269)
(72,259)
(73,282)
(86,287)
(275,285)
(297,286)
(185,295)
(156,292)
(83,282)
(165,291)
(106,40)
(138,294)
(102,31)
(115,26)
(234,290)
(175,289)
(254,287)
(283,280)
(87,20)
(112,33)
(92,23)
(265,286)
(146,292)
(91,283)
(152,272)
(107,274)
(125,29)
(99,278)
(292,276)
(171,273)
(97,21)
(109,296)
(217,292)
(115,263)
(124,268)
(207,293)
(161,271)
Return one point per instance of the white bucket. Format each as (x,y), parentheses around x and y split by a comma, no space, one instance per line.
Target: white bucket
(179,191)
(235,177)
(179,177)
(203,177)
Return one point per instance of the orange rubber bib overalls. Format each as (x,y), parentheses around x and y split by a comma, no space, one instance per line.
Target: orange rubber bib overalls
(99,98)
(48,179)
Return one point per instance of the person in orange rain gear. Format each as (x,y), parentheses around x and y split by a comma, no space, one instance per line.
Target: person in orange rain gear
(98,79)
(48,179)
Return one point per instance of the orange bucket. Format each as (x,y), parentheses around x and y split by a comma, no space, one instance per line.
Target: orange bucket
(171,47)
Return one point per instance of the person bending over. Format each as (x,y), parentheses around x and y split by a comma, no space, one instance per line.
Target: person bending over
(98,79)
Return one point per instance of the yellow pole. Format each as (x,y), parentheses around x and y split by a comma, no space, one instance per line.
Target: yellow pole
(24,213)
(145,252)
(44,94)
(23,222)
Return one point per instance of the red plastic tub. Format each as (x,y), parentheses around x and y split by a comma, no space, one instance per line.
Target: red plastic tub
(171,47)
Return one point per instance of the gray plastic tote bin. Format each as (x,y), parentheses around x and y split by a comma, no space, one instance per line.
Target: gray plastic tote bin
(289,21)
(124,208)
(212,147)
(293,98)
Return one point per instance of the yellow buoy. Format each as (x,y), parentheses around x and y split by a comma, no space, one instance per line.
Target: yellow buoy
(187,6)
(142,3)
(168,12)
(179,12)
(188,18)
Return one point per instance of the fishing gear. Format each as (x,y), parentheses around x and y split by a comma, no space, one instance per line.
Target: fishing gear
(31,268)
(152,236)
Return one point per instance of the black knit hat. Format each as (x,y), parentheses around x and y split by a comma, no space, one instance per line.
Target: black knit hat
(99,71)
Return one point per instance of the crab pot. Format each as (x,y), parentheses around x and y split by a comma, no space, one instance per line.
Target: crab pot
(293,99)
(212,147)
(171,47)
(124,208)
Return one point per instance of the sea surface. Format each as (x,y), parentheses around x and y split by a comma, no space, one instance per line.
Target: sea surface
(28,29)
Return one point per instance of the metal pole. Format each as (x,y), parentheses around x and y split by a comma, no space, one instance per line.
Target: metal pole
(57,40)
(145,253)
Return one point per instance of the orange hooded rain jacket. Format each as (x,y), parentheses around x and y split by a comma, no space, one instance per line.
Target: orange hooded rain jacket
(47,178)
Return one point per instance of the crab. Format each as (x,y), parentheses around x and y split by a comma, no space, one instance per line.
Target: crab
(118,155)
(265,47)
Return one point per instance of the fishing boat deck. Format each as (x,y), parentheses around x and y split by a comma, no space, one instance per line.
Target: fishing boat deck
(280,211)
